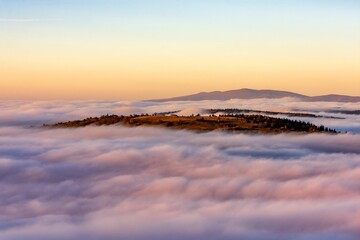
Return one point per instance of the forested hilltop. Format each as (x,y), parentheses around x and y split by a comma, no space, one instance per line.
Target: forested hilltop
(230,122)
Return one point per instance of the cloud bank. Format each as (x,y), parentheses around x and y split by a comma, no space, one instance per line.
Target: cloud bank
(152,183)
(25,113)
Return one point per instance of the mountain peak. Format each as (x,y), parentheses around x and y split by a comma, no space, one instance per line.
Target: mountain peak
(247,93)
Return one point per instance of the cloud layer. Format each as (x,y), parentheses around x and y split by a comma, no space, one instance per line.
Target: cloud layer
(25,113)
(150,183)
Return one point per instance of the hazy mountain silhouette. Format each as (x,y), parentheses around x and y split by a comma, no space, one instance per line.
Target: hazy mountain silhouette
(246,93)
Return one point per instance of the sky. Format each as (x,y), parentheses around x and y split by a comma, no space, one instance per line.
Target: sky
(141,49)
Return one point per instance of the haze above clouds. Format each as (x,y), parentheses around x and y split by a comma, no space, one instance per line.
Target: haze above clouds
(152,183)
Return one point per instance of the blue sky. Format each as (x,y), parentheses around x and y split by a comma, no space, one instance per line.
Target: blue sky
(249,43)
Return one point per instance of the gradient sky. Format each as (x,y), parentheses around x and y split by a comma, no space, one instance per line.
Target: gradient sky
(139,49)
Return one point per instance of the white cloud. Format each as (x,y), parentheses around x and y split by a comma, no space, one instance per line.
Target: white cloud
(25,20)
(149,183)
(27,113)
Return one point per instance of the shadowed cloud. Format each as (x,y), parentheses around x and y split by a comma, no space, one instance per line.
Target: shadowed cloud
(150,183)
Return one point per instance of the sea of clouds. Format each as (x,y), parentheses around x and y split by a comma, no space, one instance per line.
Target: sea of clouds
(107,183)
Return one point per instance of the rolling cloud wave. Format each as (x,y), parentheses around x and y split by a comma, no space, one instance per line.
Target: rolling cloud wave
(153,183)
(25,113)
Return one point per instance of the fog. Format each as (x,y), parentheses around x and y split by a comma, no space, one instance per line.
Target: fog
(27,113)
(152,183)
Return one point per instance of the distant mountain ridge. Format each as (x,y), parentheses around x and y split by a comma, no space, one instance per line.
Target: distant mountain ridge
(246,93)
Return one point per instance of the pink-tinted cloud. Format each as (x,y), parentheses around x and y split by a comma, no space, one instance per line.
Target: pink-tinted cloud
(149,183)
